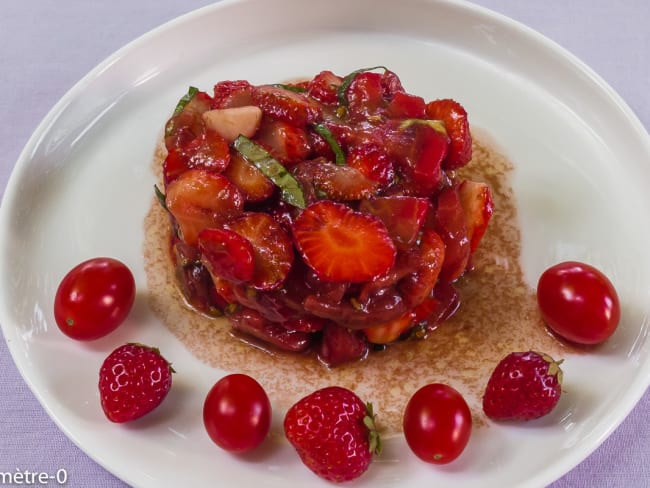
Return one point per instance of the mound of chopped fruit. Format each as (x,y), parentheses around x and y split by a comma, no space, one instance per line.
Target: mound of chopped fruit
(324,215)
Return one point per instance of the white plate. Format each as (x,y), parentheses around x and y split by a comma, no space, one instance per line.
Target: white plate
(83,185)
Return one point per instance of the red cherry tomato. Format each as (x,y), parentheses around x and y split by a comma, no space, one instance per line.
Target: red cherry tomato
(578,302)
(94,298)
(237,413)
(437,423)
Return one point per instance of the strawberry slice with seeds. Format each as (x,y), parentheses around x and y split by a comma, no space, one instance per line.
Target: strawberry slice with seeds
(476,200)
(192,200)
(373,161)
(232,93)
(207,151)
(286,105)
(390,331)
(417,287)
(342,182)
(342,245)
(254,186)
(227,255)
(454,116)
(272,248)
(450,224)
(286,142)
(186,123)
(406,106)
(324,87)
(402,215)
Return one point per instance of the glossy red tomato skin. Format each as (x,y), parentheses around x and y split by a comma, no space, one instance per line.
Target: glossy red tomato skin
(94,298)
(578,303)
(437,423)
(237,413)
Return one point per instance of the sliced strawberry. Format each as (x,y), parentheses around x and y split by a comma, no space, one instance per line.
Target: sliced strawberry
(454,116)
(251,322)
(235,93)
(341,345)
(476,200)
(343,183)
(272,248)
(450,224)
(173,165)
(406,106)
(365,95)
(340,244)
(227,255)
(307,323)
(389,331)
(418,286)
(288,106)
(324,87)
(186,123)
(373,161)
(207,151)
(199,199)
(419,149)
(391,84)
(403,216)
(254,186)
(286,142)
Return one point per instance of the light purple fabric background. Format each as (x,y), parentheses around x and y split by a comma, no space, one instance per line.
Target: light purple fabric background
(48,45)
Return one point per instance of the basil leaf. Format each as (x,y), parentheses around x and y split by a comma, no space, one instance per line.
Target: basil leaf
(185,100)
(270,167)
(341,93)
(326,134)
(170,128)
(293,88)
(162,199)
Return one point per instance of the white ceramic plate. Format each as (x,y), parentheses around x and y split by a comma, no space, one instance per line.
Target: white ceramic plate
(83,185)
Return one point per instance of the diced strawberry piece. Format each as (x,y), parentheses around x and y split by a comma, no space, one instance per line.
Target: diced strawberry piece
(454,116)
(237,93)
(272,248)
(254,186)
(295,108)
(366,94)
(450,224)
(403,216)
(229,123)
(253,323)
(391,84)
(389,331)
(173,165)
(227,255)
(207,151)
(425,309)
(419,149)
(286,142)
(185,126)
(406,106)
(418,286)
(308,323)
(373,161)
(476,200)
(343,183)
(225,290)
(199,199)
(324,87)
(341,345)
(340,244)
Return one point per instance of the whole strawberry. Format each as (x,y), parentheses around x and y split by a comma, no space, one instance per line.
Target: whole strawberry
(133,380)
(523,386)
(333,432)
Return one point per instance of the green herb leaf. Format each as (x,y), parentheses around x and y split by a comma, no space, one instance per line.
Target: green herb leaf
(293,88)
(162,199)
(171,125)
(191,92)
(291,190)
(326,134)
(343,87)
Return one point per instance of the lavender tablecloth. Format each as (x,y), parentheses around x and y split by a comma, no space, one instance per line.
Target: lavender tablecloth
(48,45)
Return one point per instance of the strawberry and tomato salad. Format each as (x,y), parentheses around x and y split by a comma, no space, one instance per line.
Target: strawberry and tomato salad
(322,215)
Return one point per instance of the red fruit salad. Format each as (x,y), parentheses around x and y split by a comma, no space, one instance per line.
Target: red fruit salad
(324,215)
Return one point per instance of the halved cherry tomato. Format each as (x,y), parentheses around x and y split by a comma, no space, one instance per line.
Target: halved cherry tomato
(578,302)
(94,298)
(437,423)
(237,413)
